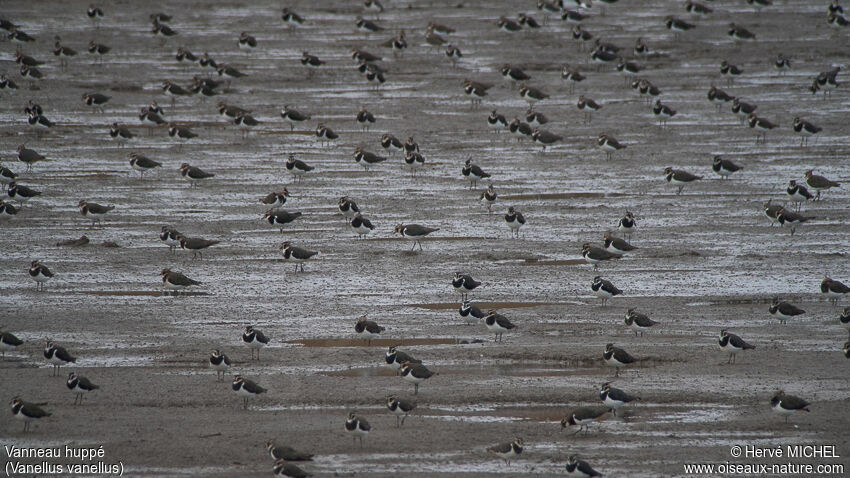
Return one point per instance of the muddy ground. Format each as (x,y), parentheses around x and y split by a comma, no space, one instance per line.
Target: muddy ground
(708,259)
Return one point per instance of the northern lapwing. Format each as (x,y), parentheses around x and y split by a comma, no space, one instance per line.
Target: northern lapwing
(641,47)
(193,174)
(763,125)
(604,289)
(290,470)
(57,356)
(95,14)
(609,144)
(791,218)
(679,178)
(254,339)
(29,156)
(663,112)
(176,281)
(290,17)
(415,233)
(368,329)
(476,91)
(181,134)
(20,36)
(843,319)
(834,289)
(582,36)
(401,409)
(772,211)
(389,141)
(174,90)
(697,8)
(246,123)
(528,21)
(535,118)
(788,404)
(507,450)
(297,168)
(509,25)
(6,176)
(615,398)
(121,133)
(293,116)
(325,134)
(471,313)
(638,322)
(581,468)
(521,129)
(246,41)
(361,225)
(784,310)
(743,109)
(206,60)
(365,118)
(515,220)
(395,358)
(645,88)
(588,105)
(196,244)
(798,193)
(572,75)
(464,284)
(627,224)
(229,72)
(724,167)
(583,417)
(170,237)
(150,119)
(98,49)
(415,373)
(311,62)
(473,172)
(21,193)
(280,217)
(498,324)
(513,74)
(93,210)
(363,55)
(846,349)
(8,342)
(732,344)
(819,183)
(367,159)
(357,426)
(286,453)
(275,199)
(805,129)
(27,412)
(434,39)
(7,84)
(219,362)
(730,71)
(80,385)
(247,388)
(367,26)
(183,54)
(616,357)
(677,25)
(532,95)
(718,97)
(7,211)
(545,138)
(739,33)
(40,274)
(595,254)
(347,207)
(296,255)
(616,245)
(489,197)
(573,16)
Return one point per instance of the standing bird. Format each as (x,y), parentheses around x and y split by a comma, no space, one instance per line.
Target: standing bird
(395,358)
(791,218)
(604,289)
(297,255)
(368,329)
(507,450)
(8,342)
(367,159)
(415,233)
(170,237)
(196,244)
(489,197)
(57,356)
(347,207)
(798,193)
(805,129)
(515,220)
(627,224)
(246,41)
(325,134)
(608,144)
(473,172)
(639,322)
(616,245)
(731,343)
(293,116)
(121,133)
(254,339)
(843,319)
(181,134)
(401,409)
(357,426)
(588,105)
(275,199)
(415,373)
(40,274)
(472,313)
(679,178)
(464,284)
(361,226)
(21,193)
(724,167)
(614,398)
(93,210)
(834,289)
(819,183)
(27,412)
(80,386)
(616,357)
(286,453)
(365,118)
(28,156)
(498,324)
(788,404)
(297,168)
(219,362)
(280,217)
(783,310)
(247,388)
(497,121)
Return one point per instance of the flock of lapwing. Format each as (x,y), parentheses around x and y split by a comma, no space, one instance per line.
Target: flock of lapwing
(213,78)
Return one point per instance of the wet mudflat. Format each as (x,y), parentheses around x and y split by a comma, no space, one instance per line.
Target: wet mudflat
(708,259)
